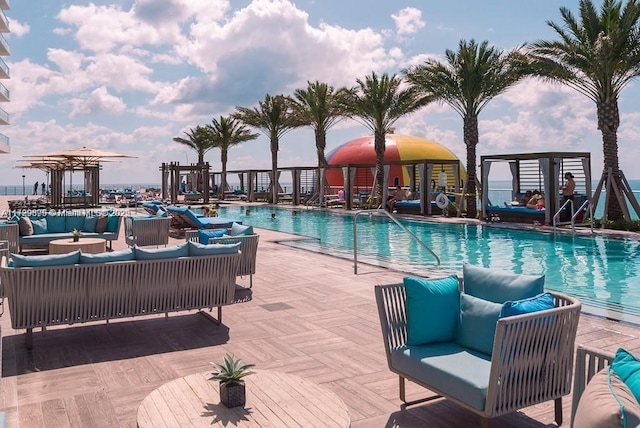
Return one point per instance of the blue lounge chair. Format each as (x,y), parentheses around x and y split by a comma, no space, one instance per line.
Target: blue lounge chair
(192,220)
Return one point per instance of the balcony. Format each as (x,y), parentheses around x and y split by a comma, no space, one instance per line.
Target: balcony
(4,46)
(4,5)
(4,22)
(4,70)
(4,117)
(4,94)
(5,147)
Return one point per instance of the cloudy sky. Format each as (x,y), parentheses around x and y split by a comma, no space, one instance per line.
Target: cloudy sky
(130,75)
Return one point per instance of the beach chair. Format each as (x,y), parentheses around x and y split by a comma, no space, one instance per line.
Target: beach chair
(191,220)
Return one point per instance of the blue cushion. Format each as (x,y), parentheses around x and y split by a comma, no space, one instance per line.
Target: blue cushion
(627,367)
(15,218)
(39,226)
(20,261)
(181,250)
(239,229)
(198,249)
(462,373)
(477,326)
(499,286)
(204,235)
(56,223)
(112,223)
(90,224)
(74,222)
(113,256)
(433,309)
(541,302)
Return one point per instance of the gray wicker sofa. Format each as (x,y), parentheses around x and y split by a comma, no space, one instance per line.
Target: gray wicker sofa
(61,226)
(94,290)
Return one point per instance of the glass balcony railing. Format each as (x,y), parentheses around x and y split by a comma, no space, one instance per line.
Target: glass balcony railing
(4,117)
(4,22)
(4,46)
(4,93)
(4,70)
(5,147)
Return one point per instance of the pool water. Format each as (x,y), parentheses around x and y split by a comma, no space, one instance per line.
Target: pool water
(603,272)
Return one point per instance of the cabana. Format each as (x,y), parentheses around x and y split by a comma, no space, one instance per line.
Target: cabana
(541,171)
(172,177)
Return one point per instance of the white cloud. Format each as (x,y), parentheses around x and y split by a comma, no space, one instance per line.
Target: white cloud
(98,101)
(408,21)
(17,28)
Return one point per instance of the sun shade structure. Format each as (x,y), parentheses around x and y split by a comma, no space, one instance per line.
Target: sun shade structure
(84,159)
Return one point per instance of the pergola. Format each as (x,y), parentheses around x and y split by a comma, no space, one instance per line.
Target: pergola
(83,159)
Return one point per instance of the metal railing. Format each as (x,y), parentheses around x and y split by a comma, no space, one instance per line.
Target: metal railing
(574,214)
(403,227)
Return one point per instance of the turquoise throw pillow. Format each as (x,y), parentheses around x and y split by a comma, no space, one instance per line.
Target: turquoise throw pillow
(198,249)
(90,224)
(20,261)
(205,235)
(477,326)
(499,286)
(15,218)
(113,256)
(39,226)
(541,302)
(181,250)
(627,367)
(433,309)
(112,223)
(74,222)
(55,223)
(239,229)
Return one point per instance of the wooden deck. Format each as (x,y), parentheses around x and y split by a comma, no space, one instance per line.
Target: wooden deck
(310,316)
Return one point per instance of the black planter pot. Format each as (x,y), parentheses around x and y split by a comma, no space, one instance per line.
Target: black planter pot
(232,395)
(76,238)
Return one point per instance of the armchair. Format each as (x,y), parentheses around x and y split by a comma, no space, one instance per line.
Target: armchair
(147,231)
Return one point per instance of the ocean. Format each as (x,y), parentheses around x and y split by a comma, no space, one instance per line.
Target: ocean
(499,193)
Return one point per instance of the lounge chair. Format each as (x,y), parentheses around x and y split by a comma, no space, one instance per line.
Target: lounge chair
(248,250)
(192,220)
(524,366)
(143,231)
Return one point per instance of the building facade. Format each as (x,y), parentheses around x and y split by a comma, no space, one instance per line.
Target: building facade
(4,74)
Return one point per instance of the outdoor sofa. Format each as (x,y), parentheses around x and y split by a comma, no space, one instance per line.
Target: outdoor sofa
(493,344)
(38,231)
(74,288)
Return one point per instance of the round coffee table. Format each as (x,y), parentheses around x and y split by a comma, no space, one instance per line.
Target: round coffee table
(86,245)
(274,399)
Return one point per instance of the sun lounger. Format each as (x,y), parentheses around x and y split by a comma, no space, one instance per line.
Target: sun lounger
(191,219)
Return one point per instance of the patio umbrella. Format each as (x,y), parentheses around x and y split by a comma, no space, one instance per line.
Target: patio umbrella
(79,158)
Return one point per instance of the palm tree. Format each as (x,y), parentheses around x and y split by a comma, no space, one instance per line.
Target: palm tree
(200,141)
(378,102)
(274,117)
(226,133)
(319,107)
(598,54)
(470,78)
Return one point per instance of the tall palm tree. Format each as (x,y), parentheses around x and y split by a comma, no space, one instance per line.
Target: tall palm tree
(319,107)
(470,78)
(274,117)
(378,102)
(598,54)
(226,133)
(200,141)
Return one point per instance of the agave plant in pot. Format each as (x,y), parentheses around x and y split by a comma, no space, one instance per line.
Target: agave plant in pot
(76,235)
(230,374)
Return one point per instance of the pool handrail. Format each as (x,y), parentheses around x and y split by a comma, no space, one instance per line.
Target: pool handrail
(574,214)
(388,214)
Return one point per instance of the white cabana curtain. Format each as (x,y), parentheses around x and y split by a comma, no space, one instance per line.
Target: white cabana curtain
(426,196)
(515,179)
(385,184)
(321,189)
(456,177)
(486,168)
(587,176)
(547,177)
(424,189)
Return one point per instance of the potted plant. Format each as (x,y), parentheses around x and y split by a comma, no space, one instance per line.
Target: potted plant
(76,235)
(230,374)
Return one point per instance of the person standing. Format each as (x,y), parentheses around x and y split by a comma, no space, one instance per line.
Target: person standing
(44,188)
(35,188)
(568,188)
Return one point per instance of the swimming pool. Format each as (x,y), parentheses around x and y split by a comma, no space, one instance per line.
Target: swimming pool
(603,272)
